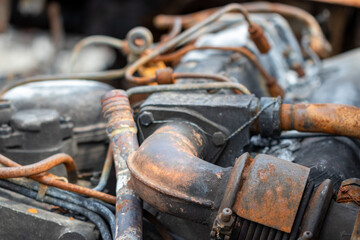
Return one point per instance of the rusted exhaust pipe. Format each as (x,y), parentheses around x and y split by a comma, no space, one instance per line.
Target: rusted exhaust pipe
(169,174)
(122,130)
(336,119)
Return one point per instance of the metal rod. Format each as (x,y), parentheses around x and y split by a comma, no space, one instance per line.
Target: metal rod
(121,129)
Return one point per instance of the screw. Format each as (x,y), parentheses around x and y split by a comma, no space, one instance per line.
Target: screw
(218,138)
(146,118)
(225,215)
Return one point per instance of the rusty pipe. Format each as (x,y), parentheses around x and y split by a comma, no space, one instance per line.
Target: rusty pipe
(318,41)
(52,180)
(336,119)
(169,174)
(121,129)
(274,88)
(39,167)
(129,75)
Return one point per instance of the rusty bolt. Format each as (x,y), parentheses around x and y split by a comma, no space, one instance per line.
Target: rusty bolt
(225,215)
(146,118)
(218,138)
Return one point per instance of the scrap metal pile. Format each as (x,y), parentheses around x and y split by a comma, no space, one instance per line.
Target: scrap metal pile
(231,127)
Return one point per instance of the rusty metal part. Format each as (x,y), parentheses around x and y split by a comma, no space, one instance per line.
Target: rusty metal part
(165,76)
(271,191)
(173,42)
(274,88)
(232,187)
(349,191)
(52,180)
(336,119)
(258,37)
(223,224)
(96,39)
(121,129)
(168,173)
(188,87)
(318,41)
(317,209)
(356,231)
(39,167)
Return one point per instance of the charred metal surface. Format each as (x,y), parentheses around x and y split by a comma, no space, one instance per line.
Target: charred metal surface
(217,114)
(339,221)
(214,113)
(317,209)
(322,156)
(122,130)
(169,174)
(271,192)
(356,232)
(65,119)
(221,227)
(30,215)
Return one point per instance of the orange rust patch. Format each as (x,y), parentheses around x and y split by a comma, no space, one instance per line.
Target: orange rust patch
(32,210)
(71,218)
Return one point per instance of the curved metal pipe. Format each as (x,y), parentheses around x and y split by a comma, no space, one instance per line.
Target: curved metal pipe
(336,119)
(168,173)
(39,167)
(52,180)
(318,41)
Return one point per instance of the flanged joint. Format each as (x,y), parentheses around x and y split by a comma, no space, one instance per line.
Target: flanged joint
(257,35)
(164,75)
(139,39)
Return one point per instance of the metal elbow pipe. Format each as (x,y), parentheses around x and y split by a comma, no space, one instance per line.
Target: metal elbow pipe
(336,119)
(168,173)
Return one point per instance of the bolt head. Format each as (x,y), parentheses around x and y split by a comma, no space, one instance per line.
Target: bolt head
(146,118)
(225,215)
(218,138)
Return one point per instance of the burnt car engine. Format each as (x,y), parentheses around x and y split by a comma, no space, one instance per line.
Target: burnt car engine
(234,125)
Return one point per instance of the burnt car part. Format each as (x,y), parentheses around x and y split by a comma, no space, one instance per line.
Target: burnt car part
(209,148)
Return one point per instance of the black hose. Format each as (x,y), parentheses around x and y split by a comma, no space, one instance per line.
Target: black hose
(98,221)
(86,203)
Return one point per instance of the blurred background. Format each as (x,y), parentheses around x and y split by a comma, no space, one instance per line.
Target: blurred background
(36,36)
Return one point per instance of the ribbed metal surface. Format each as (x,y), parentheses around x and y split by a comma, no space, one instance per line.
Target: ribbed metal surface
(248,230)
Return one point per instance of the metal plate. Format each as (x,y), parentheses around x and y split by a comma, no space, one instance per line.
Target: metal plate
(271,192)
